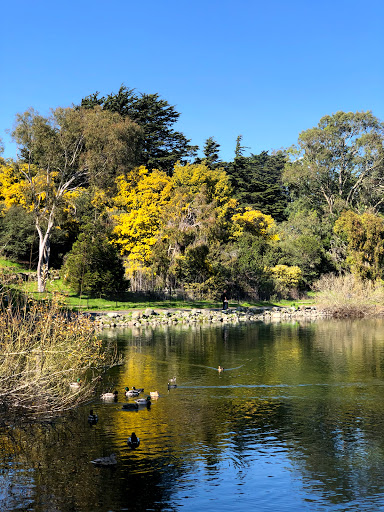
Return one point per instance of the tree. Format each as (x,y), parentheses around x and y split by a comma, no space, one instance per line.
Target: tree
(60,154)
(305,242)
(162,146)
(140,206)
(17,234)
(211,153)
(93,266)
(338,161)
(257,182)
(365,238)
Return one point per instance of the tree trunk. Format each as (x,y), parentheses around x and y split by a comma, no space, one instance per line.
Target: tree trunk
(44,252)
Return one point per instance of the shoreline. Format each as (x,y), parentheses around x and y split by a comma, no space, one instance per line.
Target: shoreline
(152,317)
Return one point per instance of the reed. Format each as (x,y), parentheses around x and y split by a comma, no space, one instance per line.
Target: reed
(348,296)
(44,348)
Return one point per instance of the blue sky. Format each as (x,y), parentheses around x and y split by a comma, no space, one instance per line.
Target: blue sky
(264,70)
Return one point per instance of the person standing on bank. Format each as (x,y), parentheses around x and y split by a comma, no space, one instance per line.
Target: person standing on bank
(224,298)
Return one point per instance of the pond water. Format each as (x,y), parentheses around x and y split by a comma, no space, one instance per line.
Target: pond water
(294,422)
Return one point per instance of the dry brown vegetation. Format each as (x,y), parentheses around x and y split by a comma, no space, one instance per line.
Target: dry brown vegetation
(43,349)
(349,296)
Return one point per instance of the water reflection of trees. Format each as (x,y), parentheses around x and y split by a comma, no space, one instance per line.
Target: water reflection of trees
(331,426)
(315,389)
(47,468)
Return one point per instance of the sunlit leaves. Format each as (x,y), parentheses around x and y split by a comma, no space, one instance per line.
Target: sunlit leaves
(255,223)
(365,238)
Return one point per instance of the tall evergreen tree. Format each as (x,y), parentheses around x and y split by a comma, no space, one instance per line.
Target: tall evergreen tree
(211,153)
(257,182)
(162,145)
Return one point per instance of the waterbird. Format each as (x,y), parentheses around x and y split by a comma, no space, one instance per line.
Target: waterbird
(75,385)
(109,396)
(172,380)
(220,369)
(133,441)
(105,461)
(144,401)
(92,418)
(131,392)
(154,394)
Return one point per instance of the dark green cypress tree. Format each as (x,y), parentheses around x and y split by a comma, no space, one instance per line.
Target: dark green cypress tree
(257,183)
(211,153)
(162,145)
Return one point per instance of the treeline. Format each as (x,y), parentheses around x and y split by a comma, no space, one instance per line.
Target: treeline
(110,193)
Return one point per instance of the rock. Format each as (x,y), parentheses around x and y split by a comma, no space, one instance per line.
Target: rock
(113,315)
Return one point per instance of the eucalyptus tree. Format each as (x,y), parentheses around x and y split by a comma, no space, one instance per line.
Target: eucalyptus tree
(339,163)
(60,154)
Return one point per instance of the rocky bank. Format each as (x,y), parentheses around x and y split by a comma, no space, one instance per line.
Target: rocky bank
(157,317)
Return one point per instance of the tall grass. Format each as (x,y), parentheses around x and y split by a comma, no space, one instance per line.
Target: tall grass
(348,295)
(44,348)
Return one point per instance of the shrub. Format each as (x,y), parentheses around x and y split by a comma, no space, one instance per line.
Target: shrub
(348,295)
(42,350)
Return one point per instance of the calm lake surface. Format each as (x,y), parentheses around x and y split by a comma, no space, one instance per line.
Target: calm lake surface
(295,422)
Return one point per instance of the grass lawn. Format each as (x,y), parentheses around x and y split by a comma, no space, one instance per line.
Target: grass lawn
(126,301)
(130,300)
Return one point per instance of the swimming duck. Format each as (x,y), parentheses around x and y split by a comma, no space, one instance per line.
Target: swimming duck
(109,396)
(105,461)
(220,369)
(92,418)
(144,401)
(133,441)
(75,385)
(172,380)
(131,392)
(172,386)
(130,407)
(154,394)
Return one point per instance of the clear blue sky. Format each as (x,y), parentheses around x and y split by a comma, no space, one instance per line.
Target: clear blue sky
(266,70)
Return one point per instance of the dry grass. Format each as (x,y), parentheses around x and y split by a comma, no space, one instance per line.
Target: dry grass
(42,350)
(348,296)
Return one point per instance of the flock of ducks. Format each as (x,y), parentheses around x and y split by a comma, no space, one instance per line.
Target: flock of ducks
(133,441)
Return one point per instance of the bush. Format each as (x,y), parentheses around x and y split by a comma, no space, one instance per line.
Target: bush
(93,266)
(42,350)
(348,295)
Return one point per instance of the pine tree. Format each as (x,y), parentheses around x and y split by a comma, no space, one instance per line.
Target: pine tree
(162,145)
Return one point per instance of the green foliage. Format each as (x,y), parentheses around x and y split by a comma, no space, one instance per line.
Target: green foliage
(339,163)
(257,181)
(18,238)
(365,238)
(305,242)
(93,266)
(162,146)
(250,259)
(211,153)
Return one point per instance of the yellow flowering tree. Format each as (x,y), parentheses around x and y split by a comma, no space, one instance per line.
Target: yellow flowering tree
(255,223)
(141,201)
(286,278)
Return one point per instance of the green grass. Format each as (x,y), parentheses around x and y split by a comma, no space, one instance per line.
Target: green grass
(7,264)
(129,300)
